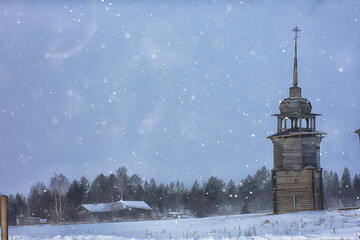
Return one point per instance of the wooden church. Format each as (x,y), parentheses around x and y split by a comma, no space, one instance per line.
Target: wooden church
(297,175)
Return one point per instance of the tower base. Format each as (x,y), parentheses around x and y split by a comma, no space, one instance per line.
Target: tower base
(297,190)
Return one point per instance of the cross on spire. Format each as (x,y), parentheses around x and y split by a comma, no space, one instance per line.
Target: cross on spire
(296,30)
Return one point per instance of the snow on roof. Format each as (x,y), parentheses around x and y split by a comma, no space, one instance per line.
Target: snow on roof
(119,205)
(103,207)
(137,204)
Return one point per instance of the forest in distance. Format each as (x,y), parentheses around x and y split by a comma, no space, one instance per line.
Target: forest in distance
(59,201)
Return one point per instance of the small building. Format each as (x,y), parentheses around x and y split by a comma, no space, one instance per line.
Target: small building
(115,211)
(22,220)
(173,215)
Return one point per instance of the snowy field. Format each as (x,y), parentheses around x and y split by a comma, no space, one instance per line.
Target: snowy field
(304,225)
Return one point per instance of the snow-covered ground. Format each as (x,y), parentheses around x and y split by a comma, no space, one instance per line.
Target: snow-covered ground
(303,225)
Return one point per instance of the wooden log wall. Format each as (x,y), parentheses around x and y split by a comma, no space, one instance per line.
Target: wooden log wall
(311,151)
(297,152)
(293,191)
(287,153)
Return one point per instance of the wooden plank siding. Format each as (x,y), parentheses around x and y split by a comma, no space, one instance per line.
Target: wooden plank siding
(297,176)
(295,153)
(293,191)
(311,151)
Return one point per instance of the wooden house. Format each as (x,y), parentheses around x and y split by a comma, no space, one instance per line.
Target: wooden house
(297,175)
(115,210)
(22,220)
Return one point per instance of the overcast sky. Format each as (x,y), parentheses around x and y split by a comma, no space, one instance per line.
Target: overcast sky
(177,90)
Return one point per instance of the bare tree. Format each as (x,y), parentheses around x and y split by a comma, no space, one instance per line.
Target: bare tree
(122,177)
(59,185)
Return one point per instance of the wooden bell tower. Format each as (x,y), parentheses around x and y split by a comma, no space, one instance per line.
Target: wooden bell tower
(297,175)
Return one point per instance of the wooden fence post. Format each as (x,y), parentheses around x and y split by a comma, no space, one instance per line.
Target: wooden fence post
(4,218)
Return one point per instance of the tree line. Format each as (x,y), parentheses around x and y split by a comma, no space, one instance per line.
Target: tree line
(59,201)
(344,192)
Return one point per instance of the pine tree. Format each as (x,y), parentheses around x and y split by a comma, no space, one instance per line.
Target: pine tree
(84,188)
(198,202)
(135,188)
(231,195)
(112,189)
(161,196)
(180,195)
(333,190)
(346,188)
(215,193)
(245,192)
(151,193)
(73,200)
(171,200)
(20,204)
(97,189)
(184,195)
(262,189)
(356,189)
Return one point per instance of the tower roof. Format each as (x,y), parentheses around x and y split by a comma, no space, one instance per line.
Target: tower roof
(295,105)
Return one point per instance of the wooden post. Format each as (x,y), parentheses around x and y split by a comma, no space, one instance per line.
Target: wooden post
(4,218)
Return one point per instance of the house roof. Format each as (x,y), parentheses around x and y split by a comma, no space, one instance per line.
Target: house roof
(114,206)
(103,207)
(137,204)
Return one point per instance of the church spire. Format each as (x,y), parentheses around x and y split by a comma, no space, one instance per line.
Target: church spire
(295,91)
(295,74)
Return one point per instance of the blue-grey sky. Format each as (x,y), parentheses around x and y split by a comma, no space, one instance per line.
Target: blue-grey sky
(178,90)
